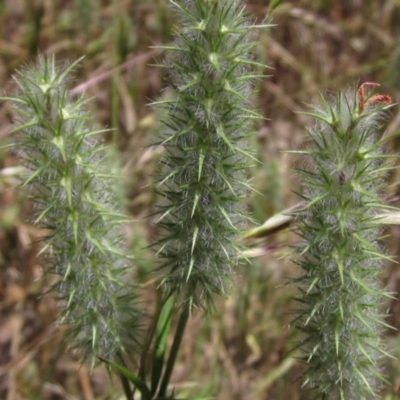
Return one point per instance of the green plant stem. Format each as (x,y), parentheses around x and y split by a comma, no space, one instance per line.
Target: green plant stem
(180,330)
(124,381)
(115,101)
(150,335)
(160,343)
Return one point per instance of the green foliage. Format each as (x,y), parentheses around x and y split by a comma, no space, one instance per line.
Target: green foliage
(203,170)
(341,258)
(78,203)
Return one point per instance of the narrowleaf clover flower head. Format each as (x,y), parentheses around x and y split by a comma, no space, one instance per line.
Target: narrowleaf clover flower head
(74,193)
(340,255)
(202,175)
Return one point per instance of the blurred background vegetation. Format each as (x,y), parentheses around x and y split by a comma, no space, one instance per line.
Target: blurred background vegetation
(241,350)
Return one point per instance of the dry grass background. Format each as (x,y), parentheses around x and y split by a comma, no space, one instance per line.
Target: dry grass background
(241,351)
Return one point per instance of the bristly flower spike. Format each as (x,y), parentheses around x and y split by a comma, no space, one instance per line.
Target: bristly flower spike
(202,177)
(340,256)
(76,197)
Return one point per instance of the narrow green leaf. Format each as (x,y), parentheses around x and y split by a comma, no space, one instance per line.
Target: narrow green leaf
(274,4)
(160,344)
(136,381)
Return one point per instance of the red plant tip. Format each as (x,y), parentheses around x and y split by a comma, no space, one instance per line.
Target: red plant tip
(376,99)
(379,99)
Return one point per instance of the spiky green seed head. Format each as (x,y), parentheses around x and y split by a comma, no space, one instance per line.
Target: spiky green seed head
(76,202)
(202,177)
(340,256)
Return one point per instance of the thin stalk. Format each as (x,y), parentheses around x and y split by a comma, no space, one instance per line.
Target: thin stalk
(124,381)
(180,330)
(115,75)
(150,336)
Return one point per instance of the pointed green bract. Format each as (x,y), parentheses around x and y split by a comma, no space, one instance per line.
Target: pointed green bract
(77,201)
(203,175)
(340,256)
